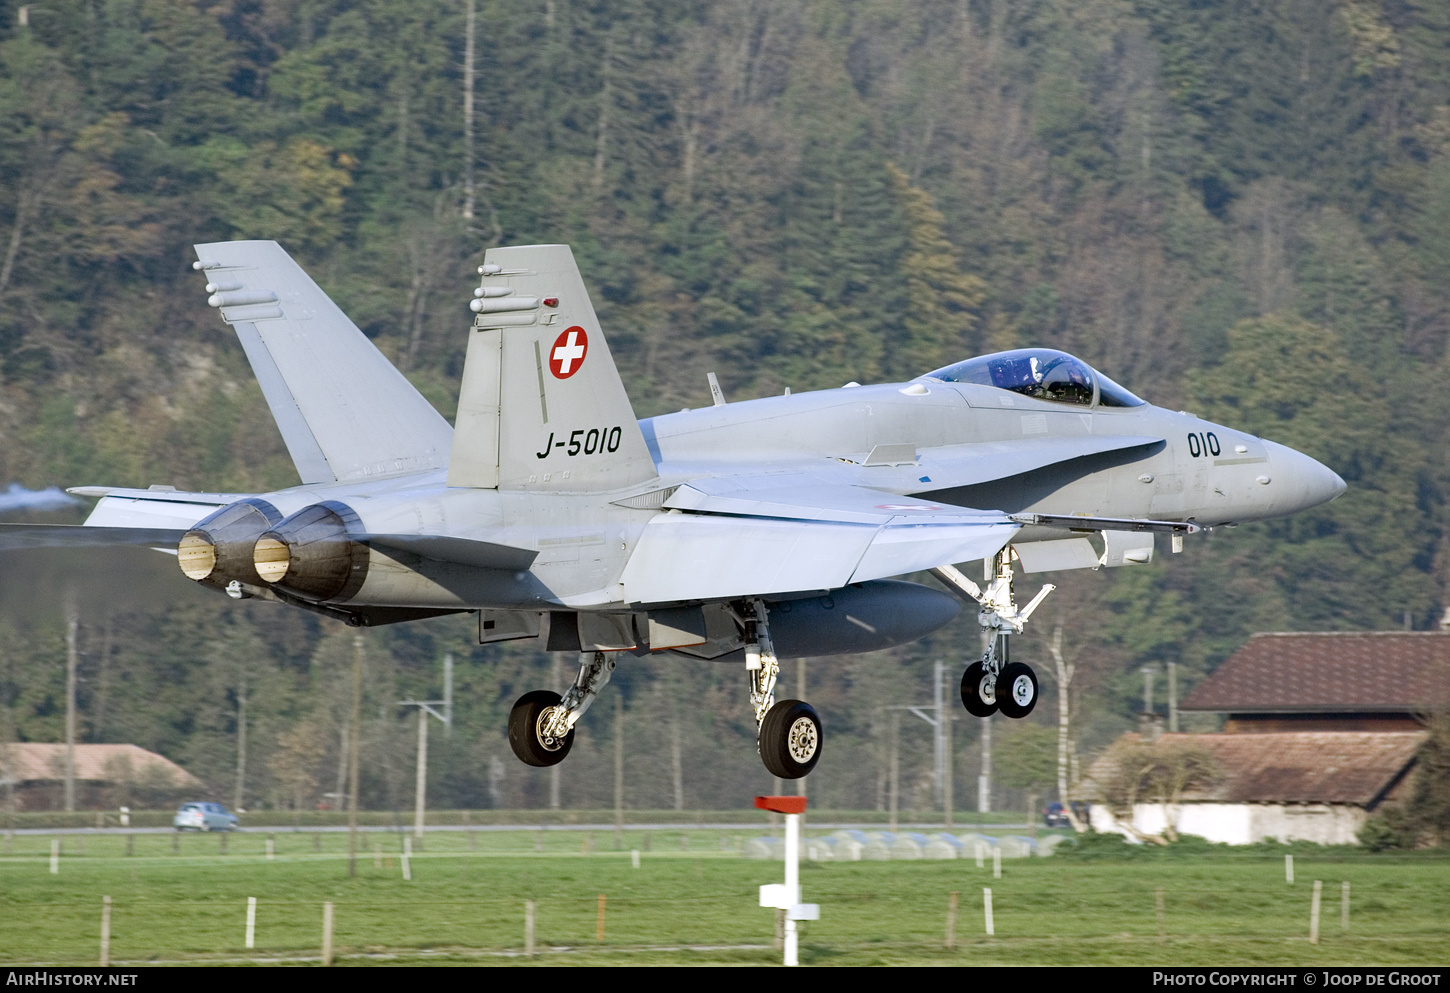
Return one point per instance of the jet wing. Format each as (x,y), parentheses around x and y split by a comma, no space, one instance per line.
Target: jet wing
(779,538)
(149,518)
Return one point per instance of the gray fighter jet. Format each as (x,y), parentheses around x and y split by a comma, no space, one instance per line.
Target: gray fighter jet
(739,531)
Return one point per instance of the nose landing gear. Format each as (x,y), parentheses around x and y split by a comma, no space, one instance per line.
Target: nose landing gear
(995,683)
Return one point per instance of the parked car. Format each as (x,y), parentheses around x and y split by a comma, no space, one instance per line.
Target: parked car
(204,817)
(1055,816)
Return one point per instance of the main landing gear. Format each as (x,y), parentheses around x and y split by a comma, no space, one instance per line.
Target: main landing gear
(997,683)
(541,724)
(788,733)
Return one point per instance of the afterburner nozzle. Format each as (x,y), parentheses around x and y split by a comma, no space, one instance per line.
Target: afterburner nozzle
(312,554)
(218,550)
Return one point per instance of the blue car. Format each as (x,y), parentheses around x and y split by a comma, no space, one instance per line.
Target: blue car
(204,817)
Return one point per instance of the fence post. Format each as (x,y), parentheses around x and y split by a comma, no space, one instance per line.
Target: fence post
(251,922)
(987,909)
(1344,906)
(996,862)
(1314,913)
(1162,915)
(407,857)
(529,928)
(1289,869)
(952,919)
(105,931)
(54,856)
(599,925)
(327,933)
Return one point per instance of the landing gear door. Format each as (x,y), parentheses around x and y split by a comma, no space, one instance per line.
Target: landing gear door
(507,625)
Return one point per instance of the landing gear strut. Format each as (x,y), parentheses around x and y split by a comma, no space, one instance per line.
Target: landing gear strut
(788,733)
(996,683)
(541,724)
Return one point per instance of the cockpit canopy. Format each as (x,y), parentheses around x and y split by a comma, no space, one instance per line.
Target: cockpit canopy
(1042,373)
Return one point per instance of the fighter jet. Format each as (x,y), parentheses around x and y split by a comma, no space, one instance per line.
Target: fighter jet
(737,532)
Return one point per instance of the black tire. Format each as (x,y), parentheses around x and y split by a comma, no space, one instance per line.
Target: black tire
(790,739)
(1017,690)
(979,700)
(524,730)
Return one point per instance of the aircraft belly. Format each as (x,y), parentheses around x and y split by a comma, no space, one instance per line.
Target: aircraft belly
(695,557)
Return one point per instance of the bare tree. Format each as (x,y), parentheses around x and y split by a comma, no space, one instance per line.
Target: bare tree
(1064,671)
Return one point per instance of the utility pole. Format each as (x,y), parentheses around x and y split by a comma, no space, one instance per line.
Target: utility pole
(352,759)
(1173,697)
(241,740)
(72,623)
(425,707)
(618,772)
(938,715)
(448,694)
(894,790)
(946,715)
(984,778)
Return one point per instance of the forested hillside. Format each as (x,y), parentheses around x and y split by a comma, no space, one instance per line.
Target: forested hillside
(1238,208)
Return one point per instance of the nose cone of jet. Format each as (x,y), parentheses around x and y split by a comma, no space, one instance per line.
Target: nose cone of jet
(1300,482)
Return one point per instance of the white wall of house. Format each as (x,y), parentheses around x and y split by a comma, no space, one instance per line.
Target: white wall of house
(1245,823)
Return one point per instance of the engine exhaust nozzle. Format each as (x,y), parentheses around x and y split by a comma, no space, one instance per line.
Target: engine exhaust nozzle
(312,554)
(218,550)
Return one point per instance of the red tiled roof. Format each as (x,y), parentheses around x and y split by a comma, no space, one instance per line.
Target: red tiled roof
(36,761)
(1349,767)
(1341,671)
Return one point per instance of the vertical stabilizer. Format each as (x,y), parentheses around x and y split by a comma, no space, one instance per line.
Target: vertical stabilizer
(542,406)
(343,409)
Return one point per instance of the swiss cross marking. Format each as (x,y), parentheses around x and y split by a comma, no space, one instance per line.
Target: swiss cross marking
(567,355)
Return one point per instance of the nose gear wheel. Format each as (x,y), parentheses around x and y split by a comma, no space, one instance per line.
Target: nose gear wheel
(979,694)
(1017,690)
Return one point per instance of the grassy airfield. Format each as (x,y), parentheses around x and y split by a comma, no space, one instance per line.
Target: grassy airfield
(692,903)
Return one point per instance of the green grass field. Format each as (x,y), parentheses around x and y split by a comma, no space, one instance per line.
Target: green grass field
(465,903)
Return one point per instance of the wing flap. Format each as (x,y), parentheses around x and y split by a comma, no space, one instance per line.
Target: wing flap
(707,557)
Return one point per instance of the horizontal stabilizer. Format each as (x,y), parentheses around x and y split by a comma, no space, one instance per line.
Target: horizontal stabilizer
(18,536)
(464,551)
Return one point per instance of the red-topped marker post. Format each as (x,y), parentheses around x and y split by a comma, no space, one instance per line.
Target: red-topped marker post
(787,897)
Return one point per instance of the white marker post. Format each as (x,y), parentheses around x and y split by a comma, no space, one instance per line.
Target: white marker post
(996,862)
(1314,912)
(407,858)
(987,910)
(251,922)
(1289,869)
(54,856)
(787,897)
(634,858)
(105,932)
